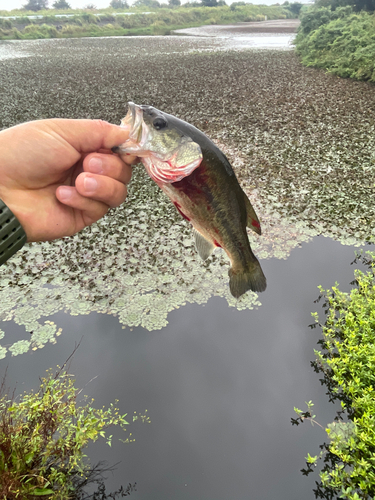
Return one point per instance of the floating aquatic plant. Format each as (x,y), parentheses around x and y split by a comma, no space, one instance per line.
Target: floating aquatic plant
(301,142)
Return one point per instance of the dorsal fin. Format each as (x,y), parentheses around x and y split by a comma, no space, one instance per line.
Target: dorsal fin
(252,219)
(204,247)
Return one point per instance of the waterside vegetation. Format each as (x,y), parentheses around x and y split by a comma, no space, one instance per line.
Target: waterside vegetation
(339,40)
(42,440)
(347,362)
(159,21)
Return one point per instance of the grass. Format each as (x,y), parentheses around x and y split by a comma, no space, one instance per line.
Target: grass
(159,22)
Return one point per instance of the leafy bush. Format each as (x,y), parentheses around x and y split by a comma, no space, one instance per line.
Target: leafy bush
(5,23)
(24,20)
(76,20)
(50,19)
(43,31)
(312,19)
(15,34)
(89,18)
(341,42)
(42,437)
(347,361)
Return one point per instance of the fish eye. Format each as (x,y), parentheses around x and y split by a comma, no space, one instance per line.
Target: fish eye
(159,123)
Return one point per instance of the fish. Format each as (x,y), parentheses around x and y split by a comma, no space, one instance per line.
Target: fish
(199,180)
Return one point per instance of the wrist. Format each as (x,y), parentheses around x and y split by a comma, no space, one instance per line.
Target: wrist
(12,234)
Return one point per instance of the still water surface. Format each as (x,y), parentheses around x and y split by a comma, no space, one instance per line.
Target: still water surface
(219,386)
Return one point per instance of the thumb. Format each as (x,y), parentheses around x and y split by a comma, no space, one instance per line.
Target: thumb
(90,135)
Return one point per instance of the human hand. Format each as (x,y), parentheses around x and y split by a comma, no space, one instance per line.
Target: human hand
(58,176)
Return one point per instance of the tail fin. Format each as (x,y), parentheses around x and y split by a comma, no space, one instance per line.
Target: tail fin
(252,278)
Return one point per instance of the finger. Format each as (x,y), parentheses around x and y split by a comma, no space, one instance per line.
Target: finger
(90,135)
(101,188)
(109,165)
(92,210)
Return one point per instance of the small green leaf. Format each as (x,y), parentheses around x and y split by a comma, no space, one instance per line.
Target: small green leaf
(310,459)
(39,492)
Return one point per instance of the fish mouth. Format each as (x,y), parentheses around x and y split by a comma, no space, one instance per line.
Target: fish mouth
(166,159)
(134,118)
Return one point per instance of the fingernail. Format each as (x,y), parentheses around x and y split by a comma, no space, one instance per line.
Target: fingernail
(90,184)
(65,193)
(96,165)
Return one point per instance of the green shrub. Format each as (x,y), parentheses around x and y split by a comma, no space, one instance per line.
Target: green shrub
(347,361)
(159,28)
(5,24)
(87,17)
(48,19)
(312,19)
(32,31)
(75,20)
(24,20)
(44,31)
(124,21)
(42,438)
(93,29)
(49,31)
(15,34)
(340,42)
(69,29)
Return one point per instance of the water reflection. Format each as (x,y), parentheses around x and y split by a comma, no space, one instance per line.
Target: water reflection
(266,42)
(138,263)
(219,385)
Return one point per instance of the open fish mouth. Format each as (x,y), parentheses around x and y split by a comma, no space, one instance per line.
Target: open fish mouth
(134,118)
(167,154)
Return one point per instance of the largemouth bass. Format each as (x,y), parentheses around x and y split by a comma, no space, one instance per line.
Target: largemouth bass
(202,185)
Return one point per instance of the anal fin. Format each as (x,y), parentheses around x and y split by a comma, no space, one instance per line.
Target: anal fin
(204,247)
(252,219)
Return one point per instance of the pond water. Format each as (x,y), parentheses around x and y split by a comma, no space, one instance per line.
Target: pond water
(219,386)
(277,34)
(219,378)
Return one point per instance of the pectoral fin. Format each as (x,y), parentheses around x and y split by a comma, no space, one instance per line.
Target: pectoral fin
(204,247)
(252,219)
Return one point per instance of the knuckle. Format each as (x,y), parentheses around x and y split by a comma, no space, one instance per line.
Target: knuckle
(102,124)
(117,194)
